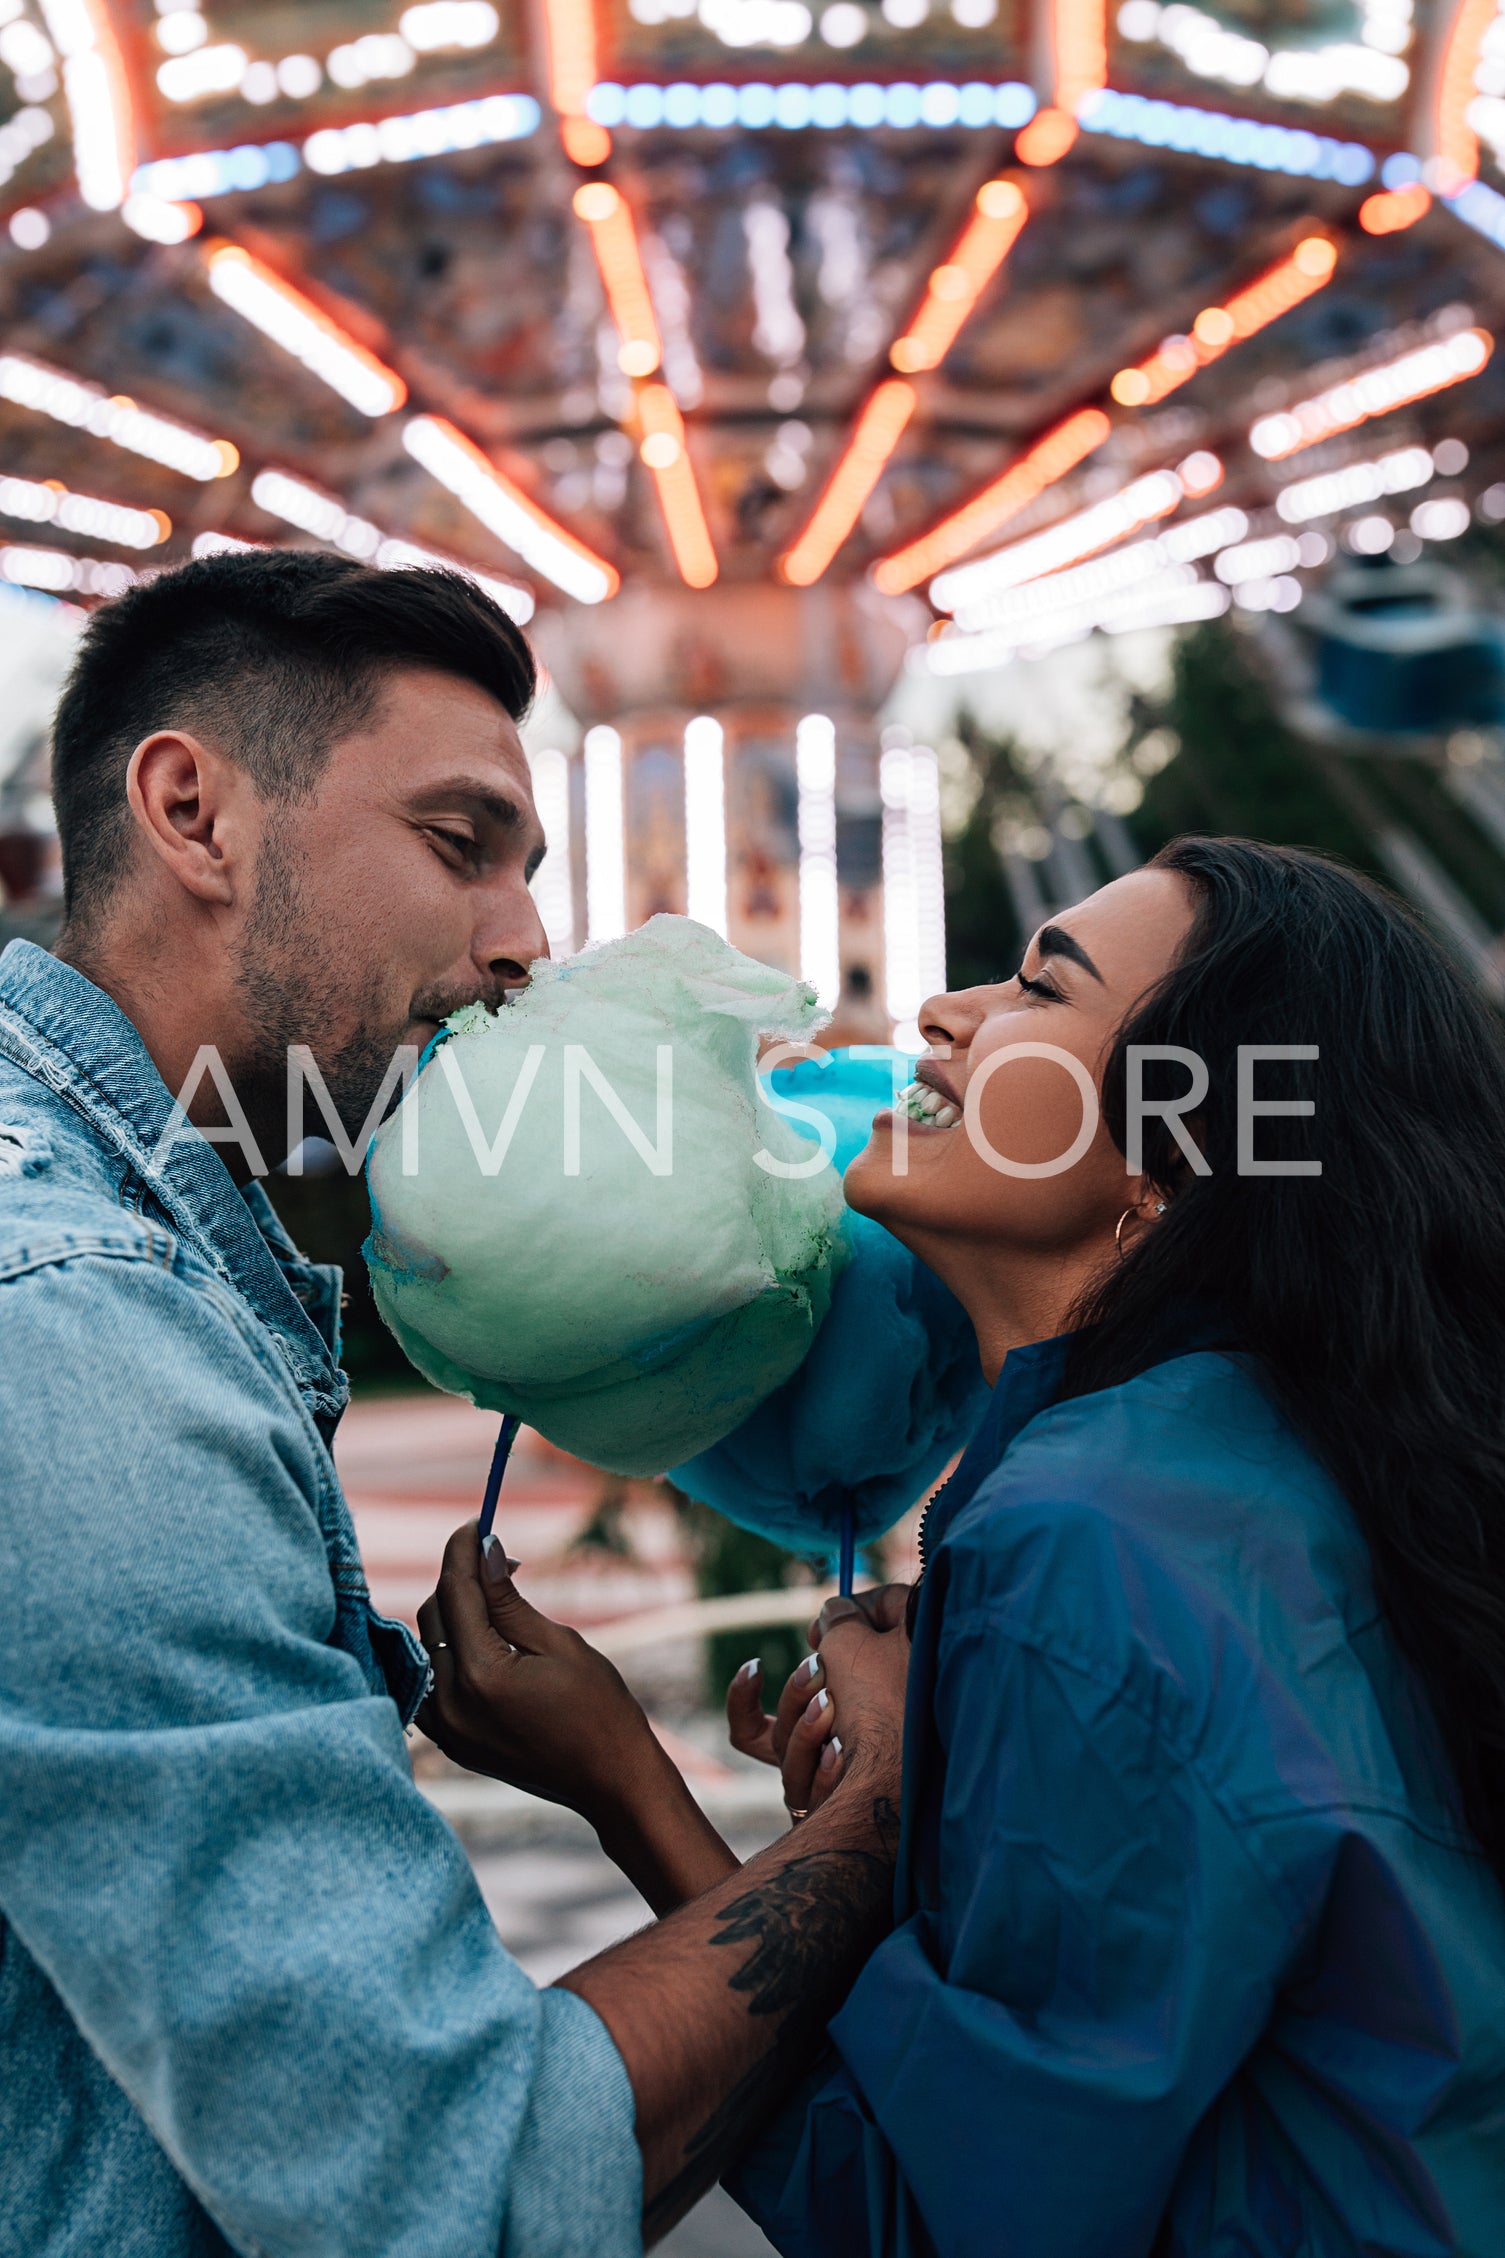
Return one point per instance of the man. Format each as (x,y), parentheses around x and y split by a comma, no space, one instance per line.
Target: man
(249,1994)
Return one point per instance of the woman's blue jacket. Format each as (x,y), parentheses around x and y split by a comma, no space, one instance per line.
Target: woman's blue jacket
(1193,1955)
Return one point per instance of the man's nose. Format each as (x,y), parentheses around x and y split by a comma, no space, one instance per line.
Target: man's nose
(509,941)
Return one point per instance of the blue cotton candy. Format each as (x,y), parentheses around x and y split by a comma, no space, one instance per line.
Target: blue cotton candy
(891,1388)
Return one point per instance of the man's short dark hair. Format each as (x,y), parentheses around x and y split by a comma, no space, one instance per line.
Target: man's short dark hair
(277,653)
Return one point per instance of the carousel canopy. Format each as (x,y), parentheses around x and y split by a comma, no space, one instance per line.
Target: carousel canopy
(950,298)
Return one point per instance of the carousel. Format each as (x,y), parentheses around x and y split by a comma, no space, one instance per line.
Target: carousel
(753,352)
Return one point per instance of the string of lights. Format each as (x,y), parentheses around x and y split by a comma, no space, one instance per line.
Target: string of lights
(292,321)
(605,837)
(86,407)
(1456,143)
(1399,472)
(1105,522)
(1105,575)
(613,237)
(1391,209)
(98,97)
(396,552)
(57,572)
(570,31)
(48,503)
(1281,287)
(1371,66)
(1483,208)
(206,173)
(505,510)
(953,289)
(1174,596)
(666,455)
(876,434)
(1079,58)
(392,553)
(795,105)
(553,882)
(1231,140)
(1376,392)
(1058,451)
(705,822)
(914,893)
(820,900)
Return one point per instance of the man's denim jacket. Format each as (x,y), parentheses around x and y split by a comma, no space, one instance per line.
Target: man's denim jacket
(250,1996)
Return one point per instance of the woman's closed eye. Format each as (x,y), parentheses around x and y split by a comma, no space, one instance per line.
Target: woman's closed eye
(1044,988)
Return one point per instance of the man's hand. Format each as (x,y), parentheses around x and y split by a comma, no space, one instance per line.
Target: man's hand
(523,1699)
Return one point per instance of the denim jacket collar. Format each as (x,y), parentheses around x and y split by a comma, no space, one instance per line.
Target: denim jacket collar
(68,1033)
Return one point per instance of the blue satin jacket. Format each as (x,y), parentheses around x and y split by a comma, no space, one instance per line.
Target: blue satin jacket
(1192,1954)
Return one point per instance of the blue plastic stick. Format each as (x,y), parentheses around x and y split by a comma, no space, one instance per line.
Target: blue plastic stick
(499,1458)
(848,1549)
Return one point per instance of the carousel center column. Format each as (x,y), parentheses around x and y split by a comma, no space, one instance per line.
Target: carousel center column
(731,772)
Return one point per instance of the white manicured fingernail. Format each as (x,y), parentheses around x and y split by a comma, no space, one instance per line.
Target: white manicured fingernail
(750,1669)
(830,1755)
(820,1703)
(812,1667)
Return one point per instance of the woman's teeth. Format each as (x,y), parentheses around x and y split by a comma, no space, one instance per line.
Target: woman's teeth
(920,1103)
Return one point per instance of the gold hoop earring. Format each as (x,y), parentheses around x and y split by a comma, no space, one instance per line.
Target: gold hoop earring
(1118,1235)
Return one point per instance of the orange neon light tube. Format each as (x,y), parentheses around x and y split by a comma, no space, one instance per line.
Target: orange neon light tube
(571,30)
(667,456)
(954,288)
(1079,50)
(1282,286)
(1457,143)
(1389,210)
(1049,459)
(873,440)
(615,242)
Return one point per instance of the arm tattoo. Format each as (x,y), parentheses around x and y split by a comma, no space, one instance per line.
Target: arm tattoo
(801,1924)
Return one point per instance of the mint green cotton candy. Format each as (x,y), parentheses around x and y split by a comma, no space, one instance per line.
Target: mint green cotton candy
(633,1317)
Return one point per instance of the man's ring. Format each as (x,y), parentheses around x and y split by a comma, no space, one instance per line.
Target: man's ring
(796,1816)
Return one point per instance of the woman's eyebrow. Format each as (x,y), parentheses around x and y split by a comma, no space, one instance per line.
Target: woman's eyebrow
(1055,941)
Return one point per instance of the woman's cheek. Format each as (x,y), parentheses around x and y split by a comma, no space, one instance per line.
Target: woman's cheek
(1030,1112)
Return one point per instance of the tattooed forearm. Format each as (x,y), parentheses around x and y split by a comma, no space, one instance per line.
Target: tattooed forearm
(806,1924)
(799,1923)
(721,2007)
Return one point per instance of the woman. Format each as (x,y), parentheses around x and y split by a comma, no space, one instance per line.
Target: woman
(1200,1935)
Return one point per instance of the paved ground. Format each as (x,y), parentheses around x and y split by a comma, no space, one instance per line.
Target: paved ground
(554,1904)
(414,1467)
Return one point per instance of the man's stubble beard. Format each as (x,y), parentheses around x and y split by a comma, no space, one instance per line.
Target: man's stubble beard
(294,988)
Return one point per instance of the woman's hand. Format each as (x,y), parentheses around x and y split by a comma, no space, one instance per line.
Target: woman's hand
(523,1699)
(846,1700)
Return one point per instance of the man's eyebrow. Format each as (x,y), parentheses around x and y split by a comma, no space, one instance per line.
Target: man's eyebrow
(1055,941)
(499,807)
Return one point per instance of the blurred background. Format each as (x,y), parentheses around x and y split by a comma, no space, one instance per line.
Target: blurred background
(941,449)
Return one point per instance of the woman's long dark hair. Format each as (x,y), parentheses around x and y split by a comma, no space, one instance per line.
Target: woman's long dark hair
(1373,1295)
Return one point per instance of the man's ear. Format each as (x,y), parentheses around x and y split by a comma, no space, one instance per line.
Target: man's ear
(192,806)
